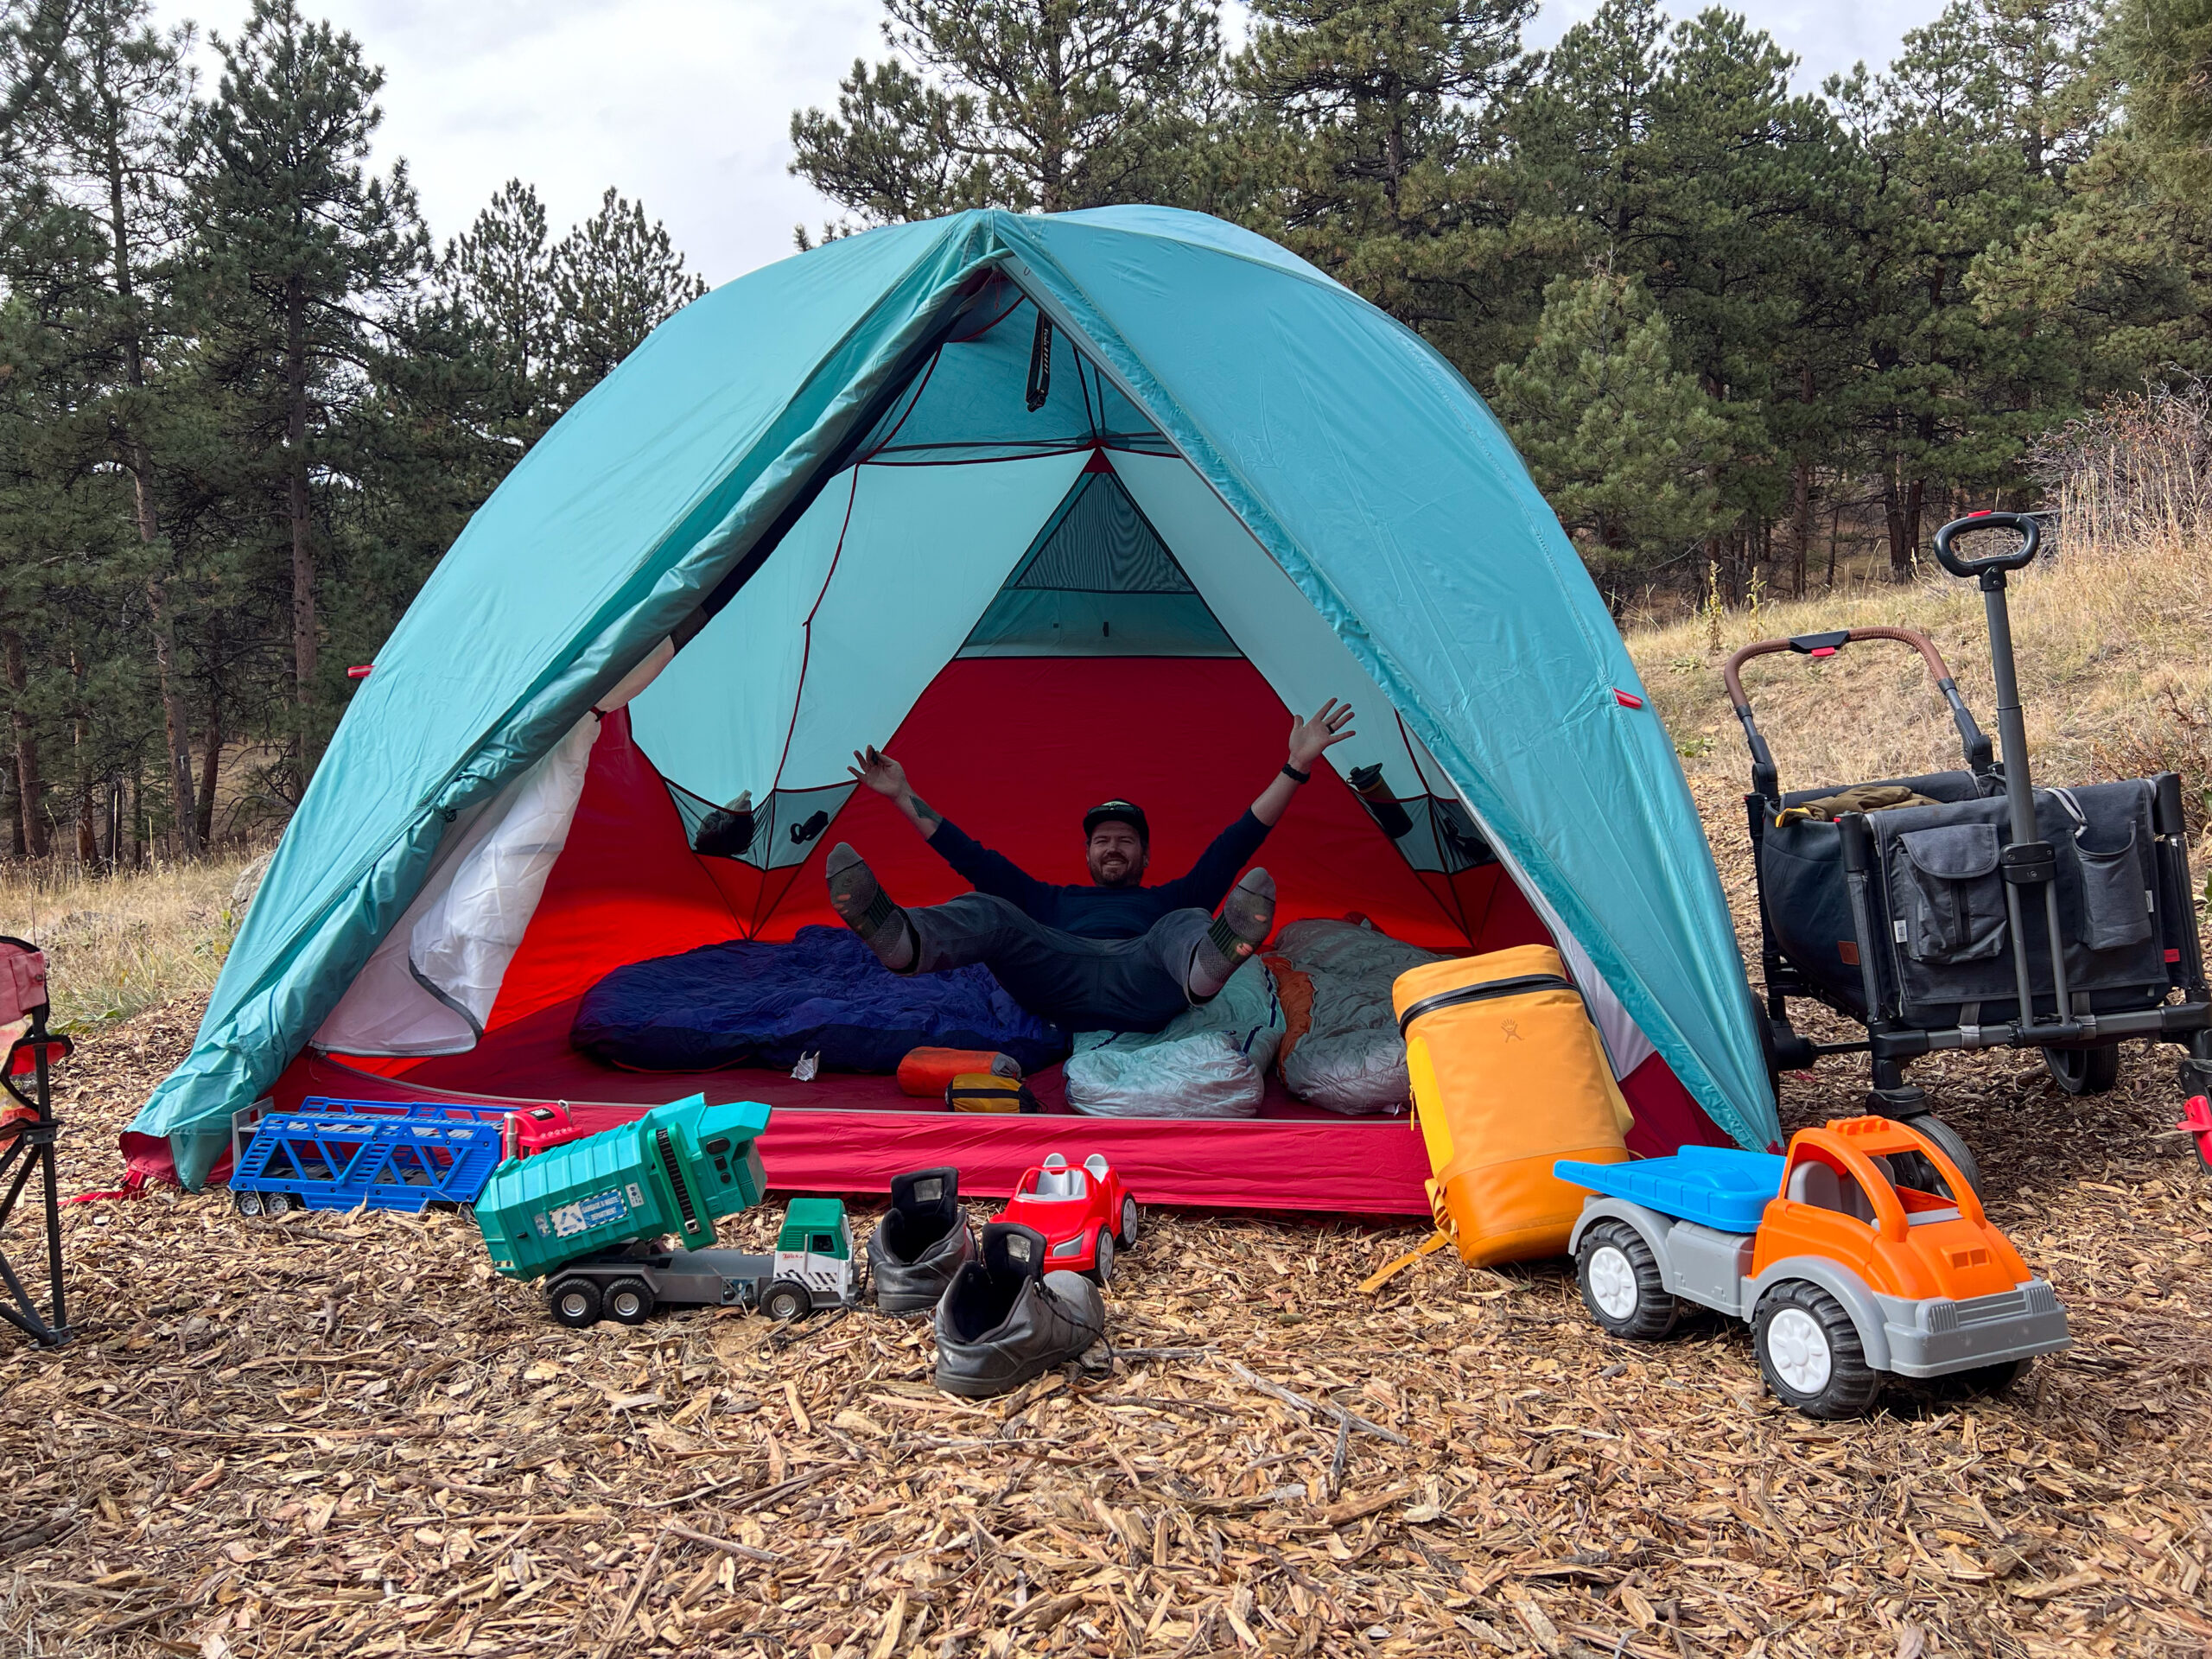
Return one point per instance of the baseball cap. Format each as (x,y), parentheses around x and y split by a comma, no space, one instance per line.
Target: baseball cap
(1117,812)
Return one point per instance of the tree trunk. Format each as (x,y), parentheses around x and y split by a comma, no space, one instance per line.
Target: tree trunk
(29,794)
(180,741)
(210,764)
(296,432)
(1800,501)
(139,463)
(139,815)
(80,743)
(1900,505)
(14,798)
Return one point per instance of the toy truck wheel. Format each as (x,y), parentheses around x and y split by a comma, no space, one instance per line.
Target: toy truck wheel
(787,1300)
(247,1203)
(2083,1070)
(630,1300)
(1622,1285)
(1102,1268)
(1129,1234)
(573,1302)
(1916,1171)
(1810,1352)
(275,1203)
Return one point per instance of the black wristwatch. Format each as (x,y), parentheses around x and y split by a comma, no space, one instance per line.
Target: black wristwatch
(1295,775)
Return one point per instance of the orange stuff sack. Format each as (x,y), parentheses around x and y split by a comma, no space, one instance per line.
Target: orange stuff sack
(925,1071)
(1508,1075)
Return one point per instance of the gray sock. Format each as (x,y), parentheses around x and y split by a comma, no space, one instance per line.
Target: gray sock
(862,905)
(1247,916)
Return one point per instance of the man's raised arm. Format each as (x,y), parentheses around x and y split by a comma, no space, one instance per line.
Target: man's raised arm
(1309,740)
(1209,877)
(976,864)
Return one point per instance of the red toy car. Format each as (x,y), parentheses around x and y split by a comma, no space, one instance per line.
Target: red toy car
(1084,1214)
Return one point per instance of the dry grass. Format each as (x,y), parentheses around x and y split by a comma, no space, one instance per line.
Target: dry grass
(2115,676)
(117,944)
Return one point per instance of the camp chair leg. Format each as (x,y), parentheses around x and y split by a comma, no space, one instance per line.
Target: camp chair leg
(36,1141)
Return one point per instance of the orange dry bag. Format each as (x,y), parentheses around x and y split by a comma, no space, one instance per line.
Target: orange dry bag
(924,1072)
(1508,1075)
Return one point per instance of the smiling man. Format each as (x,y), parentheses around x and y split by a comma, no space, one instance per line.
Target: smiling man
(1115,955)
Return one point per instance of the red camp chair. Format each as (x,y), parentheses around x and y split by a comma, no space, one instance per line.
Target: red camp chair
(27,1130)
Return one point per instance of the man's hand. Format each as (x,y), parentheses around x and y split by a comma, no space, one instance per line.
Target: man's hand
(884,776)
(878,772)
(1309,738)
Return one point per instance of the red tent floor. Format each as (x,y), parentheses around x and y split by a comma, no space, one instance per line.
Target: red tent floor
(844,1133)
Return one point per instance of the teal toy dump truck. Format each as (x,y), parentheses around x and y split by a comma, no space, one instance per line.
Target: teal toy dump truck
(623,1222)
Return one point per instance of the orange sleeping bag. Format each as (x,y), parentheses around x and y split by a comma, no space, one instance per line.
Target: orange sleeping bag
(1508,1075)
(926,1072)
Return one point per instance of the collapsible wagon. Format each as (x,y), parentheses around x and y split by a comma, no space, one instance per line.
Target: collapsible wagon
(1969,910)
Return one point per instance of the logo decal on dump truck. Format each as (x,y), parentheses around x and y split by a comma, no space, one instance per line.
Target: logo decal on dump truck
(586,1214)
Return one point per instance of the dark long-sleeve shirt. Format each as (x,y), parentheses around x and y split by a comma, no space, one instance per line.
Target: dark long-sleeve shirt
(1102,912)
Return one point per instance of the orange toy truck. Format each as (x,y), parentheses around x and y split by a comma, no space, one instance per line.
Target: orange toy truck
(1861,1251)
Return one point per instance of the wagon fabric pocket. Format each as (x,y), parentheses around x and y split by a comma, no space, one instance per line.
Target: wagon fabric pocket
(1945,894)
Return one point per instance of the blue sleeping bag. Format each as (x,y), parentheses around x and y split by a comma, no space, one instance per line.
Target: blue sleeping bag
(743,1003)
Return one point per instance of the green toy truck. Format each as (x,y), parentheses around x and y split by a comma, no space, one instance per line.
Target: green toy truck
(596,1219)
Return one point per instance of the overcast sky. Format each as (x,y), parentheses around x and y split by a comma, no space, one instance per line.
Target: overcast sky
(687,104)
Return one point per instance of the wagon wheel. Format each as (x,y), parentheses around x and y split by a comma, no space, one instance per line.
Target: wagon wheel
(2083,1070)
(1917,1170)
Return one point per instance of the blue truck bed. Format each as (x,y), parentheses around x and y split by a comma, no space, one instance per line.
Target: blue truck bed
(1721,1187)
(341,1159)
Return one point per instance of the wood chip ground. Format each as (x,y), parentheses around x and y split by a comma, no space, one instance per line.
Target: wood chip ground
(336,1436)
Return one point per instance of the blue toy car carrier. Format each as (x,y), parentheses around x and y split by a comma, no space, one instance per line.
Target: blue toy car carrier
(336,1158)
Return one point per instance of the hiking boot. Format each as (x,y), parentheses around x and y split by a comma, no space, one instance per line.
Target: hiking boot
(920,1243)
(1005,1320)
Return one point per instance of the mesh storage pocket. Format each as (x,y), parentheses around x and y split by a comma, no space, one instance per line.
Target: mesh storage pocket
(2115,897)
(1951,900)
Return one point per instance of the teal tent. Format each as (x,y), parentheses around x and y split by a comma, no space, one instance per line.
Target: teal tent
(979,480)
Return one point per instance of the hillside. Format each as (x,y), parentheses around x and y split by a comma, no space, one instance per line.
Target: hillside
(2111,645)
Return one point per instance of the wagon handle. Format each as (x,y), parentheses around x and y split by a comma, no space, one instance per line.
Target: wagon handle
(2028,527)
(1764,777)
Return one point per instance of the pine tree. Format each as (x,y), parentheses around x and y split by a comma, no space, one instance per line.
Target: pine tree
(301,251)
(614,279)
(497,278)
(1947,384)
(1038,105)
(2125,267)
(121,98)
(1377,152)
(1680,155)
(1620,440)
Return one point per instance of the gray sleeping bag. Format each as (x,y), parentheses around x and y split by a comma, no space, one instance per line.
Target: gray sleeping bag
(1210,1061)
(1352,1058)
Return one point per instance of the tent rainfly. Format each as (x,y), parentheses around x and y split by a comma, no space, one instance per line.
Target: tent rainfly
(1061,507)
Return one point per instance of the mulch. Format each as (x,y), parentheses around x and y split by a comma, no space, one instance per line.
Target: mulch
(345,1435)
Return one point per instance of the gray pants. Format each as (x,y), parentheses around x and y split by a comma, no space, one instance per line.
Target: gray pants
(1078,983)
